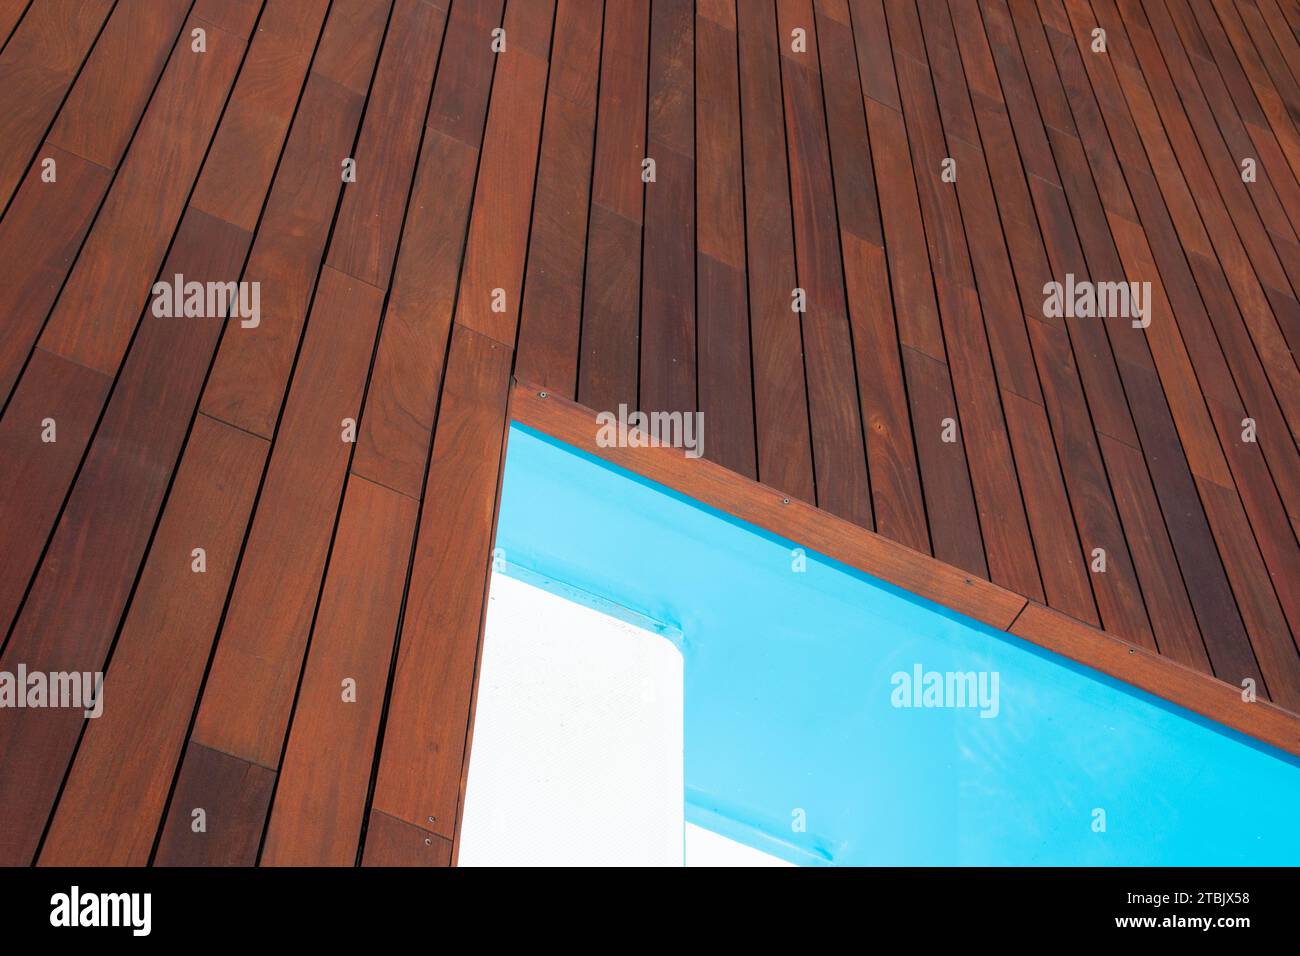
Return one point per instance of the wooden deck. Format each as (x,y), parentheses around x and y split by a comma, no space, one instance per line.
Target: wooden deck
(498,230)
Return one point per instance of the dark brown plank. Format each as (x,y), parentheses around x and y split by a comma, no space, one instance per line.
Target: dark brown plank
(424,735)
(98,309)
(724,359)
(43,229)
(1003,524)
(251,373)
(551,316)
(37,67)
(249,691)
(493,270)
(100,114)
(159,659)
(839,449)
(232,795)
(81,589)
(897,502)
(667,369)
(46,223)
(607,366)
(71,396)
(320,796)
(11,12)
(391,842)
(784,439)
(370,219)
(255,125)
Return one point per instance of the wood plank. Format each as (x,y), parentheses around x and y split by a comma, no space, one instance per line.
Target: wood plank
(393,445)
(1119,596)
(722,311)
(98,309)
(11,12)
(424,734)
(38,65)
(897,502)
(159,659)
(1056,540)
(320,797)
(551,314)
(254,127)
(839,449)
(72,397)
(46,223)
(369,222)
(272,260)
(783,434)
(392,842)
(607,366)
(252,369)
(668,308)
(1180,381)
(1003,524)
(249,691)
(233,796)
(954,521)
(86,577)
(460,98)
(493,270)
(43,228)
(397,425)
(100,115)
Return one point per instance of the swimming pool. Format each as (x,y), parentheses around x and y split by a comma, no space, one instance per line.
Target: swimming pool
(833,718)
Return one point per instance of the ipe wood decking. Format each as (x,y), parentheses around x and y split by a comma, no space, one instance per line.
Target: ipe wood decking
(828,225)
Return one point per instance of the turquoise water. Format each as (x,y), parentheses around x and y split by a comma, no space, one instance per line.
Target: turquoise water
(794,743)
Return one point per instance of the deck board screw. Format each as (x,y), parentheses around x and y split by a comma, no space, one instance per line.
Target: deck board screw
(541,394)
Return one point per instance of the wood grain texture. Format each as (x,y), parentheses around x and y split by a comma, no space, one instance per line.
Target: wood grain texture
(320,796)
(159,659)
(370,219)
(925,418)
(86,576)
(493,269)
(551,313)
(392,842)
(217,811)
(249,692)
(607,364)
(424,736)
(37,67)
(97,311)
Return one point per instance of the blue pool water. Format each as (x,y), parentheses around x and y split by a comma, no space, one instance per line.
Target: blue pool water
(794,743)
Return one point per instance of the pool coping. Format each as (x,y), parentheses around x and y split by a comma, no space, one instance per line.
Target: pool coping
(785,515)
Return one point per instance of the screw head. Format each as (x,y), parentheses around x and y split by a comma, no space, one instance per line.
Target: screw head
(785,501)
(541,394)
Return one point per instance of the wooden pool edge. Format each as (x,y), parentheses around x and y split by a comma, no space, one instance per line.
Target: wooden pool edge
(921,574)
